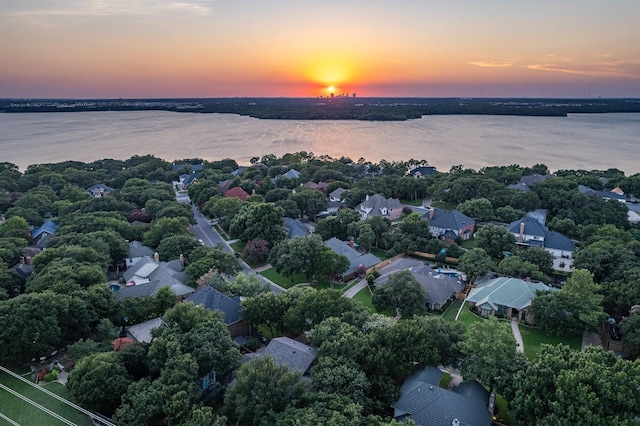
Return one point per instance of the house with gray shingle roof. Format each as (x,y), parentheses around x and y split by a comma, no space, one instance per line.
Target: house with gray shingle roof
(509,297)
(357,260)
(99,190)
(44,233)
(529,232)
(295,228)
(230,309)
(136,252)
(291,353)
(422,171)
(426,403)
(438,286)
(614,194)
(142,332)
(526,181)
(149,275)
(377,205)
(449,224)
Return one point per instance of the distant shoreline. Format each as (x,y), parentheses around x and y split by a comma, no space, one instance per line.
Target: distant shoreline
(340,108)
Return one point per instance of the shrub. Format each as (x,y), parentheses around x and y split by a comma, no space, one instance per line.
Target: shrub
(256,251)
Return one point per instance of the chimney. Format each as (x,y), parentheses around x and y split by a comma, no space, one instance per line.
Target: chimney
(367,198)
(28,260)
(521,236)
(181,259)
(431,213)
(22,260)
(156,257)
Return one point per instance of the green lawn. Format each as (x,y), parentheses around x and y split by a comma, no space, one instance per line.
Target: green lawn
(452,310)
(416,203)
(382,254)
(364,296)
(502,411)
(466,317)
(445,380)
(283,281)
(23,413)
(534,337)
(469,244)
(238,246)
(222,233)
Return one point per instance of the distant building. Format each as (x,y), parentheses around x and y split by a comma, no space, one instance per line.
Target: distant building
(99,190)
(422,171)
(448,225)
(291,353)
(357,260)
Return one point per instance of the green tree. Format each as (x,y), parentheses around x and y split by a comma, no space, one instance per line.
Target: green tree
(495,240)
(517,267)
(562,387)
(402,293)
(475,263)
(539,257)
(479,209)
(576,307)
(163,228)
(362,234)
(262,390)
(257,220)
(488,352)
(97,381)
(266,309)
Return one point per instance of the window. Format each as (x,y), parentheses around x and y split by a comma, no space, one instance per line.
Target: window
(502,310)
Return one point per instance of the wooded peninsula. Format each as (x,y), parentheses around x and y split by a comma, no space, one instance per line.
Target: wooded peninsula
(334,108)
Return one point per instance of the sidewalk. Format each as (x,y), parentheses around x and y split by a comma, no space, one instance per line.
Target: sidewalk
(516,334)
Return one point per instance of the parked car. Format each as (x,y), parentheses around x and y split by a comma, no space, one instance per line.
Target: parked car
(615,333)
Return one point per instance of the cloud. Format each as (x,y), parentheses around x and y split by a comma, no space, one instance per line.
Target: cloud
(605,65)
(604,68)
(492,64)
(76,8)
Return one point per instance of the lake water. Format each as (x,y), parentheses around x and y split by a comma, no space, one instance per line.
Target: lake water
(580,141)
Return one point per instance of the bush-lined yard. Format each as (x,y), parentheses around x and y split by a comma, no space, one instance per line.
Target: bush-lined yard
(281,280)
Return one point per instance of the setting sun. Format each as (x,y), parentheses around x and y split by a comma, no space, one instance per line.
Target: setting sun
(331,89)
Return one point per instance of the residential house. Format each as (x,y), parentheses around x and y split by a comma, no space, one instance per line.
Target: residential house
(426,403)
(290,174)
(291,353)
(336,194)
(526,181)
(121,343)
(231,310)
(439,286)
(136,252)
(616,193)
(377,205)
(295,228)
(529,232)
(44,233)
(448,225)
(509,297)
(149,275)
(320,186)
(335,203)
(99,190)
(357,260)
(225,185)
(142,332)
(422,171)
(239,171)
(238,193)
(186,180)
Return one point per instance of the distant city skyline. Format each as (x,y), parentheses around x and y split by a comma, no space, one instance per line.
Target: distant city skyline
(375,48)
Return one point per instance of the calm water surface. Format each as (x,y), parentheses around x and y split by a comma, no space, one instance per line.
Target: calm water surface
(581,141)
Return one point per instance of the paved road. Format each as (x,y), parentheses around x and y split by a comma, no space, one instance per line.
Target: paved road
(355,289)
(205,232)
(212,238)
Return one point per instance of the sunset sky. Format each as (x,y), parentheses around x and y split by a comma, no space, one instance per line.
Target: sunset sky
(226,48)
